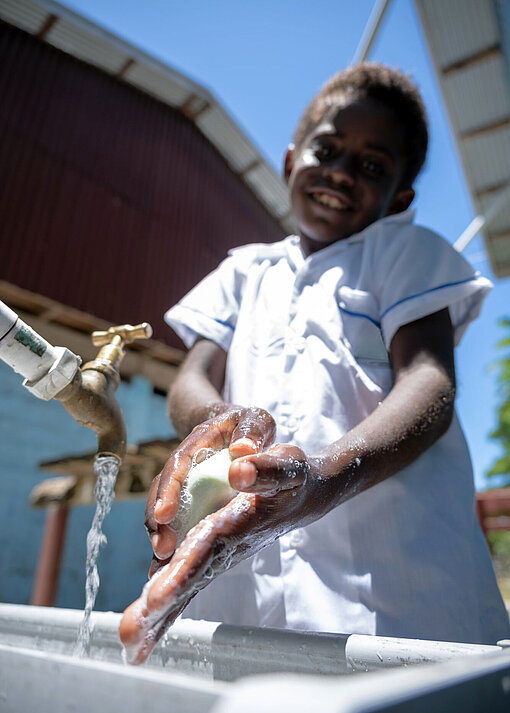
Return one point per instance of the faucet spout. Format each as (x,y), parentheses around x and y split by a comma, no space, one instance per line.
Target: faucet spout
(90,397)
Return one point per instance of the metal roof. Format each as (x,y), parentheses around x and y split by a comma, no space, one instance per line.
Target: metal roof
(469,43)
(77,36)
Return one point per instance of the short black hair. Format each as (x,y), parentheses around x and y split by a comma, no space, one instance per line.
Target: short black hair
(384,84)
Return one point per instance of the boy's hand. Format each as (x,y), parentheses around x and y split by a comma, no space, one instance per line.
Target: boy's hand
(278,492)
(243,430)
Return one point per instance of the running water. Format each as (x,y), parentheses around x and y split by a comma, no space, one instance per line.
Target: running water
(106,469)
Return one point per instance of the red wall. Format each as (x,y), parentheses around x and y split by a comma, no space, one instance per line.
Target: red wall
(110,201)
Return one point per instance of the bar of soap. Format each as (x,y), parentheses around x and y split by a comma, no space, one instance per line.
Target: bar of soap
(208,487)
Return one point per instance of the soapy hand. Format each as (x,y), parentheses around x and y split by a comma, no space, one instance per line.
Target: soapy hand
(276,488)
(244,431)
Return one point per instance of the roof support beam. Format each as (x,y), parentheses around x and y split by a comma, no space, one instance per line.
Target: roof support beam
(46,26)
(487,53)
(125,68)
(250,167)
(495,188)
(194,106)
(487,129)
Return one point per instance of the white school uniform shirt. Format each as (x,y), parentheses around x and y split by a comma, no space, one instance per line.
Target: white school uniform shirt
(308,339)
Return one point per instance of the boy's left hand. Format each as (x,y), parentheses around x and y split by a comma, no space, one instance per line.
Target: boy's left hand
(278,493)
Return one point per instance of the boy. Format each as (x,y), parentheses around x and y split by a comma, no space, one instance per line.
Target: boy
(337,343)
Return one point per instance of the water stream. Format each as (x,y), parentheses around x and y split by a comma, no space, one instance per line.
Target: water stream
(106,469)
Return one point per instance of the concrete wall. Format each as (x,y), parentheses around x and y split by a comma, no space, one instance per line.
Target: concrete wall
(32,431)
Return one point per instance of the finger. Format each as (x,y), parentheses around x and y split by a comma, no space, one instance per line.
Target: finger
(144,621)
(163,538)
(138,636)
(150,523)
(164,541)
(131,631)
(196,553)
(243,447)
(177,468)
(156,565)
(278,468)
(254,431)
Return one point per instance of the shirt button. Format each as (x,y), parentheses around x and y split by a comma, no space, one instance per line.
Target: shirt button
(296,538)
(292,424)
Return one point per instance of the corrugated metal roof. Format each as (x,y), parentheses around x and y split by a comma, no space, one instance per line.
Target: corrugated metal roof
(501,221)
(28,16)
(150,80)
(487,159)
(86,41)
(269,187)
(459,28)
(112,203)
(470,46)
(66,36)
(222,131)
(492,105)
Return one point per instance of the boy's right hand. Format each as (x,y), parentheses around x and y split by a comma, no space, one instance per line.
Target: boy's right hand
(245,431)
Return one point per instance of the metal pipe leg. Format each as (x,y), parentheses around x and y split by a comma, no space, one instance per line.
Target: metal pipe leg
(50,555)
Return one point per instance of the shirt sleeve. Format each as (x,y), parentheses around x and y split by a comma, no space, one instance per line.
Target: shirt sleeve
(210,310)
(419,273)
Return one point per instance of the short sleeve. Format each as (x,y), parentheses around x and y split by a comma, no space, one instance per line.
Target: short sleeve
(419,273)
(210,310)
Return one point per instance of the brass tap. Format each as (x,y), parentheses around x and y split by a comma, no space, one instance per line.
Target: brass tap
(90,397)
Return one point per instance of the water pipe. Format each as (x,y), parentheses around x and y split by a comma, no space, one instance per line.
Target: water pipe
(46,369)
(88,394)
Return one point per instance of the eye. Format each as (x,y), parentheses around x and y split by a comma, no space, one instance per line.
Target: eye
(374,167)
(322,151)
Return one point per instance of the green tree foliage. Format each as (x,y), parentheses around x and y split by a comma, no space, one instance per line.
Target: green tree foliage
(502,432)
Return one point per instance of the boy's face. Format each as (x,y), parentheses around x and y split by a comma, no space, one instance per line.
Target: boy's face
(347,173)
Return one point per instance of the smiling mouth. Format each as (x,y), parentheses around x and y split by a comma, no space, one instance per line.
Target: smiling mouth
(335,202)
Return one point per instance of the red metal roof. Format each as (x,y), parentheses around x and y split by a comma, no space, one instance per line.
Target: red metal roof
(112,202)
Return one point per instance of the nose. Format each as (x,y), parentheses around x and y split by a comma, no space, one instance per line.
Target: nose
(341,171)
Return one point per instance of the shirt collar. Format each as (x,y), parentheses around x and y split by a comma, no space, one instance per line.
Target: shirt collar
(297,257)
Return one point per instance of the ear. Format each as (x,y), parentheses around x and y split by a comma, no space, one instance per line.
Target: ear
(288,162)
(402,201)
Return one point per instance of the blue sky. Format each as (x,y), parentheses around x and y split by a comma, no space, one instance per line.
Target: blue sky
(263,60)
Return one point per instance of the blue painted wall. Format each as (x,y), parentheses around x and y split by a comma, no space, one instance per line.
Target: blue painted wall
(32,431)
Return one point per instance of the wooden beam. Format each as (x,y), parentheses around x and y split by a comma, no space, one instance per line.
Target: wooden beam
(486,129)
(502,235)
(48,23)
(141,464)
(249,168)
(487,53)
(125,68)
(494,188)
(193,106)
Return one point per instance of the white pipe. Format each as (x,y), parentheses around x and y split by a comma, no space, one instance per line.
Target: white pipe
(45,368)
(370,31)
(469,233)
(499,202)
(369,653)
(228,652)
(38,670)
